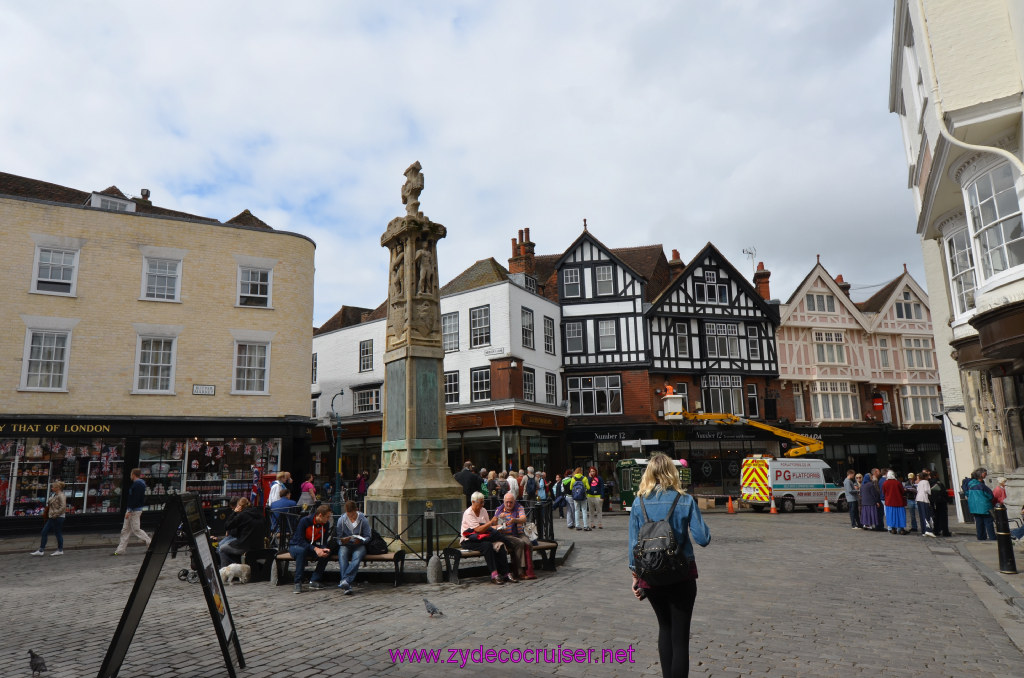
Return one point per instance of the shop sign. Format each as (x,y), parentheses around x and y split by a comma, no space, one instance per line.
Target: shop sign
(621,435)
(537,420)
(54,428)
(498,350)
(203,389)
(723,435)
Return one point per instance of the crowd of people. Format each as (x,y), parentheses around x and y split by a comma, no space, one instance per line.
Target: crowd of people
(882,502)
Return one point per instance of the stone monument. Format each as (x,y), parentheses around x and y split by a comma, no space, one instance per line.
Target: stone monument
(414,475)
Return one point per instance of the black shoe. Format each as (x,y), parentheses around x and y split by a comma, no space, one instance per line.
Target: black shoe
(316,586)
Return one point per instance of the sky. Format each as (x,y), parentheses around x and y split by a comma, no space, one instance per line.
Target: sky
(755,125)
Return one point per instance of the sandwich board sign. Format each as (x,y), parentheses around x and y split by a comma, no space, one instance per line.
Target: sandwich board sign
(182,510)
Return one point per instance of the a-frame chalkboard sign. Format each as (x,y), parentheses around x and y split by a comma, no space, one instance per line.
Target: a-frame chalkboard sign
(185,511)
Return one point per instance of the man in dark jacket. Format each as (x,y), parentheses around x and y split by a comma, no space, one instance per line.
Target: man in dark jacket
(248,528)
(311,541)
(469,481)
(133,516)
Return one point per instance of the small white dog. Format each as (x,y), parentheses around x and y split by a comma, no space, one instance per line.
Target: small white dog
(229,573)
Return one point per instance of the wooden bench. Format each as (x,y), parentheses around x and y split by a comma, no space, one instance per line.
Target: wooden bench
(281,564)
(545,549)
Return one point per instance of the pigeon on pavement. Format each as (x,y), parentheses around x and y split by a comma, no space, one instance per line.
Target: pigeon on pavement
(36,663)
(432,609)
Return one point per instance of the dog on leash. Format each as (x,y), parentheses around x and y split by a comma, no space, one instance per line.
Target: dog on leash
(229,573)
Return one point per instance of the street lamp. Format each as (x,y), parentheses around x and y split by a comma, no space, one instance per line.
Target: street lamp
(338,430)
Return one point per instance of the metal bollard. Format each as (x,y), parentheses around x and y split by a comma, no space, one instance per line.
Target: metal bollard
(1007,563)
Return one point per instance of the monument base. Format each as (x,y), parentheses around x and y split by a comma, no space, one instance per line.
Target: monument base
(401,496)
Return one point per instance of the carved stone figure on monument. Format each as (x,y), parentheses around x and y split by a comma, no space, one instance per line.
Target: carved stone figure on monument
(412,188)
(424,268)
(424,318)
(397,270)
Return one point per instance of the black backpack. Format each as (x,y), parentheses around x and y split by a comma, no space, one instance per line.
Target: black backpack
(658,556)
(531,486)
(376,546)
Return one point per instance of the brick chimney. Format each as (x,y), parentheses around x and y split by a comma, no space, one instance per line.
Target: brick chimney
(522,260)
(675,264)
(761,277)
(843,285)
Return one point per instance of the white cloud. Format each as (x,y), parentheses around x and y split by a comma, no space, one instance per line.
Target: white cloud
(743,123)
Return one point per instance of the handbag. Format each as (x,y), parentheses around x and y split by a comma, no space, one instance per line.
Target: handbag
(46,513)
(472,536)
(530,532)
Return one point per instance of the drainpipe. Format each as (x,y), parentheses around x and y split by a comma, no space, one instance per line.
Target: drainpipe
(937,103)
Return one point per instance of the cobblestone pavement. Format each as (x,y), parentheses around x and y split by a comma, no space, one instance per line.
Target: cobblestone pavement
(778,595)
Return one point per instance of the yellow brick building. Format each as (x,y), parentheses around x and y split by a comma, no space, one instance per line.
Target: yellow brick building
(141,336)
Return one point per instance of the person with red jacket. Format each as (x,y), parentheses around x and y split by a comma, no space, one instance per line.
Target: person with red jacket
(310,541)
(895,498)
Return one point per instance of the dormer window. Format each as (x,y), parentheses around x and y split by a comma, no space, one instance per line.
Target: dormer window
(531,284)
(110,203)
(908,309)
(821,303)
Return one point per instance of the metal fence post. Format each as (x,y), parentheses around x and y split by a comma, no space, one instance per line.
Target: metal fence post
(428,528)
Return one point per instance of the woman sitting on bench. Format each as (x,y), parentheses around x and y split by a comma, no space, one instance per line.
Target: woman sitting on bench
(478,534)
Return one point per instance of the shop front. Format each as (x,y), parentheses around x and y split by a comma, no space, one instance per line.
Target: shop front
(94,458)
(506,439)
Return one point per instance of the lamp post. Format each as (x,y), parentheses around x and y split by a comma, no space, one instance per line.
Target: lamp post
(339,491)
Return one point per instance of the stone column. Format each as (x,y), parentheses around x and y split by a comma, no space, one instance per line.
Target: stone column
(414,475)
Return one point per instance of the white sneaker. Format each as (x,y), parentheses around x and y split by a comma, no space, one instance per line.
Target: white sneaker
(58,552)
(37,552)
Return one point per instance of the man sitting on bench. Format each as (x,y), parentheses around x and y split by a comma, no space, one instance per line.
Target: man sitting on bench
(511,518)
(310,541)
(353,533)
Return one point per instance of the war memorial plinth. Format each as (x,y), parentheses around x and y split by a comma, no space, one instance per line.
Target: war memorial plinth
(414,475)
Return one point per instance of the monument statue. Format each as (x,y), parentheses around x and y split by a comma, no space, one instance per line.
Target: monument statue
(414,475)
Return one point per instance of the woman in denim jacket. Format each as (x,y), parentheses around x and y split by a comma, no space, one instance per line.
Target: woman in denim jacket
(673,604)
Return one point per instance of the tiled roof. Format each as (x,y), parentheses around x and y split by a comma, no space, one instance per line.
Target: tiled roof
(23,187)
(650,262)
(348,315)
(378,313)
(877,300)
(483,272)
(247,218)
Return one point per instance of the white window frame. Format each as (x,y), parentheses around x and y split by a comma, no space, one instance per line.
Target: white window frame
(261,264)
(27,361)
(313,407)
(146,332)
(752,408)
(604,282)
(707,289)
(962,275)
(598,395)
(920,402)
(883,353)
(573,331)
(450,331)
(829,347)
(753,344)
(366,400)
(988,213)
(683,391)
(480,326)
(529,384)
(366,355)
(550,388)
(314,369)
(908,309)
(722,340)
(604,335)
(480,384)
(47,324)
(528,329)
(451,388)
(244,294)
(682,328)
(64,245)
(835,401)
(716,389)
(799,411)
(531,283)
(549,335)
(917,353)
(251,338)
(571,277)
(821,303)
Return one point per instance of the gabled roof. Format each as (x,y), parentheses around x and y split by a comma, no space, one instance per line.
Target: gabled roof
(877,300)
(587,235)
(113,192)
(882,300)
(819,272)
(484,272)
(770,310)
(646,262)
(347,315)
(247,218)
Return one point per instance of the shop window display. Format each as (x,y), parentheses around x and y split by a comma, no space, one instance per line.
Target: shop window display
(90,469)
(223,467)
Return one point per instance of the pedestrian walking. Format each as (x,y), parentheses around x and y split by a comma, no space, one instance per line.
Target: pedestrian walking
(133,515)
(56,505)
(660,492)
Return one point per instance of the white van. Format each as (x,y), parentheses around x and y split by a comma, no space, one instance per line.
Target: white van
(806,482)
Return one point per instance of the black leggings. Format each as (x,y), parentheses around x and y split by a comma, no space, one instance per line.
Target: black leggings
(494,558)
(673,606)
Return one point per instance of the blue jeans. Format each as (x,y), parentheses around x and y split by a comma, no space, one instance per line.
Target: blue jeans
(912,514)
(582,514)
(924,511)
(348,568)
(984,526)
(57,526)
(854,513)
(300,554)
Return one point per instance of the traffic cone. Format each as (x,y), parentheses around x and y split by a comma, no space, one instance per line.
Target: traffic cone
(773,509)
(826,505)
(731,509)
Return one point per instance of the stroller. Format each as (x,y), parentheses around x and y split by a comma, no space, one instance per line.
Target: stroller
(181,541)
